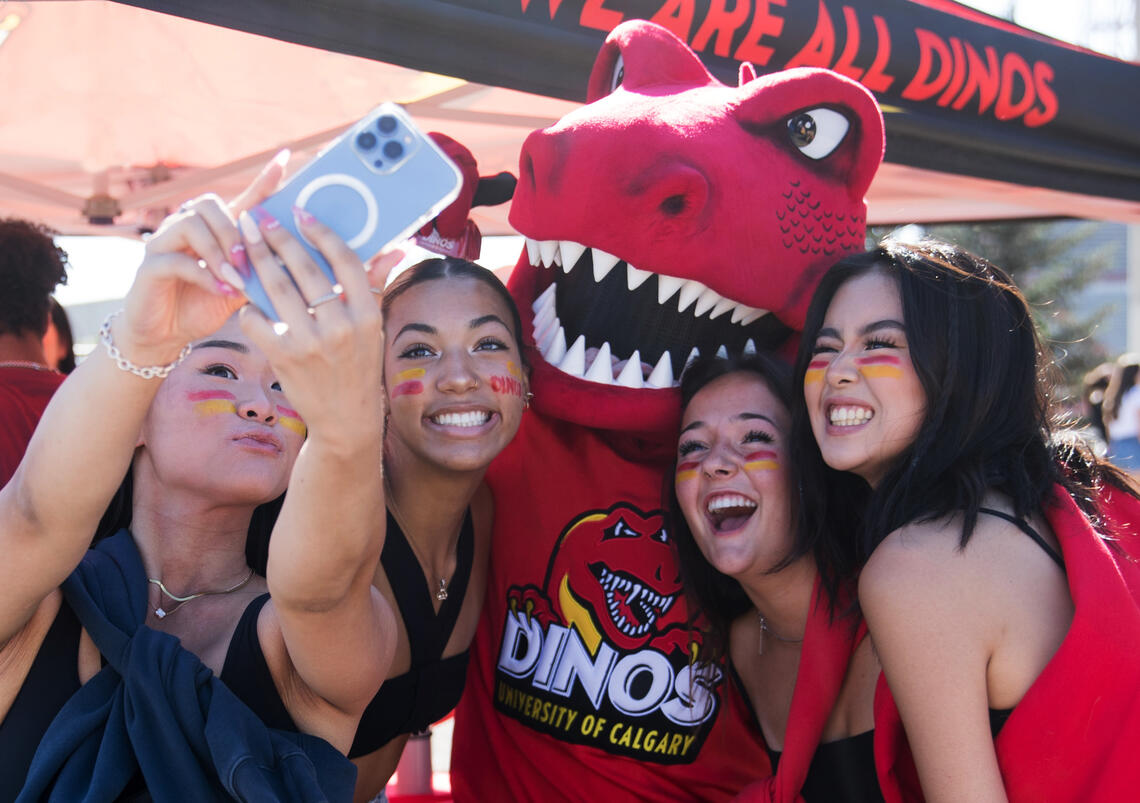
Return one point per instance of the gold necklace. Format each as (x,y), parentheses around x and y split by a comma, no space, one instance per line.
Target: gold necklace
(765,629)
(161,613)
(441,592)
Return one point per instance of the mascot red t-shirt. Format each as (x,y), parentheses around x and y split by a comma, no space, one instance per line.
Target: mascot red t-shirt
(671,213)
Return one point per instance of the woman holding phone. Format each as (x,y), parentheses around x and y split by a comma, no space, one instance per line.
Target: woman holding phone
(999,582)
(457,386)
(207,433)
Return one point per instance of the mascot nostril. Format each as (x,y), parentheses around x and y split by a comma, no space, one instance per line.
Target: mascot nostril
(672,213)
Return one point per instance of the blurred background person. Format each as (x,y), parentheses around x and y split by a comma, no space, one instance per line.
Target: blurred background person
(59,343)
(1121,412)
(31,265)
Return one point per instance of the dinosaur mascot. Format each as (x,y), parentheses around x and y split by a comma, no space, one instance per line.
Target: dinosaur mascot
(672,213)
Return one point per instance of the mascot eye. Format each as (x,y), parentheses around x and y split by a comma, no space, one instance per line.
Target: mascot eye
(619,530)
(619,73)
(661,535)
(817,132)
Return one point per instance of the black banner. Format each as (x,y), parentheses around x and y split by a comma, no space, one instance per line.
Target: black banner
(959,95)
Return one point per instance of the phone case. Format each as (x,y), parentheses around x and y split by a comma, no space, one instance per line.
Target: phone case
(374,185)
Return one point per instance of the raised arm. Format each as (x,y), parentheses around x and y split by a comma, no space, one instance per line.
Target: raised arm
(327,633)
(83,445)
(924,604)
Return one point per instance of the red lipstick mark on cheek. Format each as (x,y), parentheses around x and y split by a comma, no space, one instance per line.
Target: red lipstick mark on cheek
(413,388)
(205,395)
(507,386)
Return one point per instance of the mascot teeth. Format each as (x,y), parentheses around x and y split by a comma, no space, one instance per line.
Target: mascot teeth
(633,608)
(647,365)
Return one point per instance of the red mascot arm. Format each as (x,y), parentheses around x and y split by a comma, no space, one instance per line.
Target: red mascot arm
(452,233)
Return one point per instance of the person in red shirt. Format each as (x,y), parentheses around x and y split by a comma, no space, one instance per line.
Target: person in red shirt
(31,265)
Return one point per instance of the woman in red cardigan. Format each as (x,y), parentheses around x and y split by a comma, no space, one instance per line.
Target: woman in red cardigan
(1006,622)
(777,604)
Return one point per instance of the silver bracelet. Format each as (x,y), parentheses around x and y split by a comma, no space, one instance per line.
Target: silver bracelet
(150,371)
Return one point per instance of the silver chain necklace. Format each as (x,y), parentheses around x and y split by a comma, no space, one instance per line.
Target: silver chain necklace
(162,613)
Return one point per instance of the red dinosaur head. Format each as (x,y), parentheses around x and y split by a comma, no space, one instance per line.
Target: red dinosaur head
(674,212)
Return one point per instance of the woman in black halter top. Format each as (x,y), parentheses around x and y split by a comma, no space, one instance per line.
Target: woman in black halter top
(457,386)
(768,598)
(206,440)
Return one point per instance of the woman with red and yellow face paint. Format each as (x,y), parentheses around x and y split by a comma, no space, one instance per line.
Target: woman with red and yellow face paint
(457,387)
(927,454)
(770,597)
(206,411)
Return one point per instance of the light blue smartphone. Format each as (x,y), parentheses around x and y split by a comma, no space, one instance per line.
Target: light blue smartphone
(374,186)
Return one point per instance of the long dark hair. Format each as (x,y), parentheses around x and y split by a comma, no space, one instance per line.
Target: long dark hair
(717,597)
(987,382)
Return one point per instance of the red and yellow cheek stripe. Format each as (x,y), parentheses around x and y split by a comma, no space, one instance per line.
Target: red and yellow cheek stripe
(687,470)
(407,383)
(213,402)
(815,371)
(764,460)
(291,420)
(884,365)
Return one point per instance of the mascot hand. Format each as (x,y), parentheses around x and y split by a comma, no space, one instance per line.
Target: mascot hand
(531,602)
(451,233)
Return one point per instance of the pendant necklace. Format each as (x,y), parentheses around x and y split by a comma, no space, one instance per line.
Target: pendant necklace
(765,629)
(440,593)
(162,613)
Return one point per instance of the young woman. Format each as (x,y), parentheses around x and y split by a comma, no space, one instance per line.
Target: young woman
(207,434)
(456,383)
(1007,626)
(775,601)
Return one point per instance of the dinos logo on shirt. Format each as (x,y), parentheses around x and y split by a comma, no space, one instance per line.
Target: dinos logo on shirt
(601,654)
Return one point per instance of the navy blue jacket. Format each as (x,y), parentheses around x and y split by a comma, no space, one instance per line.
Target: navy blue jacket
(156,709)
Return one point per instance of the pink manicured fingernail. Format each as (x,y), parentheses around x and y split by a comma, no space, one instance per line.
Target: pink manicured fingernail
(281,157)
(226,290)
(248,228)
(240,260)
(231,275)
(303,217)
(265,219)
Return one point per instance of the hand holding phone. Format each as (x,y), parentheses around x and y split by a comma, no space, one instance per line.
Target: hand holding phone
(374,185)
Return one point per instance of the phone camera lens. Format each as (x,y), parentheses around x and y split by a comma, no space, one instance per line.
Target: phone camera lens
(393,149)
(386,124)
(366,141)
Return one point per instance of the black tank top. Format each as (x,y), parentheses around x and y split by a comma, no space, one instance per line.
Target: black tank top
(1033,534)
(52,679)
(432,686)
(405,704)
(842,771)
